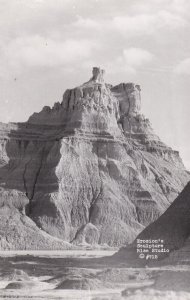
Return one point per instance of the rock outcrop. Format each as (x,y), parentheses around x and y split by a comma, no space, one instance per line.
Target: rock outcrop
(172,227)
(90,169)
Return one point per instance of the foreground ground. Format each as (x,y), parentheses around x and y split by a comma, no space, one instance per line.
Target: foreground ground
(85,275)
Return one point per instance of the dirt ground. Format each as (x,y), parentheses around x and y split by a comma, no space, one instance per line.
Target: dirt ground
(87,275)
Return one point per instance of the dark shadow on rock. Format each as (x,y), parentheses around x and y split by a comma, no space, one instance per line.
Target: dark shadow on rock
(29,155)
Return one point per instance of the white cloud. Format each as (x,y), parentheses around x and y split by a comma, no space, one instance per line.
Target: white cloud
(146,18)
(87,23)
(133,24)
(171,20)
(152,6)
(130,61)
(37,51)
(136,57)
(148,23)
(183,67)
(180,6)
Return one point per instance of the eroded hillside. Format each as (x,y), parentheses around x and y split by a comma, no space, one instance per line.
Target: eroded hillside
(89,170)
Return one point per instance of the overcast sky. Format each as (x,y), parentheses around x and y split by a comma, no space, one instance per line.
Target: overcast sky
(47,46)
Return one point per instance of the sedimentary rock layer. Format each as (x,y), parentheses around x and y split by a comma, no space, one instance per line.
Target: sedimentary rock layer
(172,227)
(90,169)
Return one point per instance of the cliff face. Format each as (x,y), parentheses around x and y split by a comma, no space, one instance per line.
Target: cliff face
(90,169)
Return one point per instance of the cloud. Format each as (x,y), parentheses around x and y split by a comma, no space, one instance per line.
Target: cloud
(136,57)
(132,25)
(38,51)
(130,61)
(42,33)
(180,6)
(20,17)
(87,23)
(183,67)
(171,20)
(148,23)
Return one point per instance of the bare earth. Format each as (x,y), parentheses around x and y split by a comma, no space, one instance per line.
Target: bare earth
(87,275)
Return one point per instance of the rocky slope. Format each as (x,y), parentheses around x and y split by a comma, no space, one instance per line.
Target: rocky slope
(90,169)
(173,227)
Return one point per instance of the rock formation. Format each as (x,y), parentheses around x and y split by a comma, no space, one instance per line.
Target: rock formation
(90,169)
(173,227)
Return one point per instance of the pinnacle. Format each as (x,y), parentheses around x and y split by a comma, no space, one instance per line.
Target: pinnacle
(98,75)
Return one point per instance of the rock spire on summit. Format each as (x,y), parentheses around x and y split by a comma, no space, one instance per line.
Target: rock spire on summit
(98,75)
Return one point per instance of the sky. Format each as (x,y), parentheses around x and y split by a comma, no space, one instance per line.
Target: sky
(47,46)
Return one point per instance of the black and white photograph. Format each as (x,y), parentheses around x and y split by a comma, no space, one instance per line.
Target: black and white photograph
(94,149)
